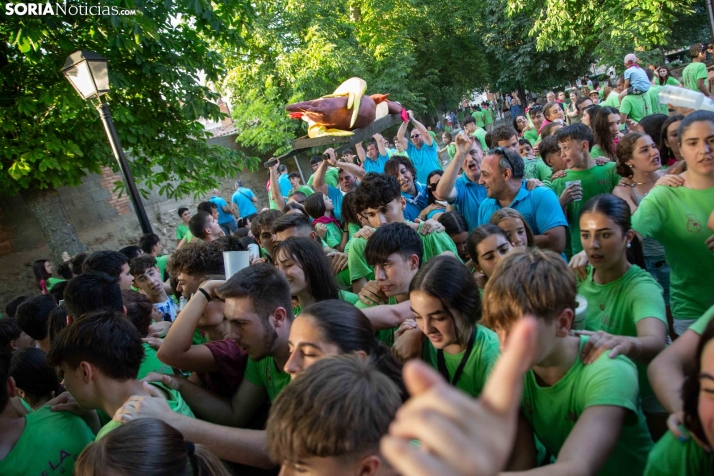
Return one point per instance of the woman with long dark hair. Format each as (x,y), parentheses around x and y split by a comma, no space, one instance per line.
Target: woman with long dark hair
(321,209)
(663,77)
(43,275)
(606,131)
(669,140)
(626,312)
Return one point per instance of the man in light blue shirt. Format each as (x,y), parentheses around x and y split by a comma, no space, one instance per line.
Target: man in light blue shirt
(413,192)
(502,176)
(464,191)
(243,201)
(284,181)
(348,175)
(422,149)
(225,217)
(376,156)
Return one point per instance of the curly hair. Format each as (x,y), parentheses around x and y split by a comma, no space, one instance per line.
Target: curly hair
(625,148)
(264,221)
(193,260)
(391,167)
(376,190)
(502,133)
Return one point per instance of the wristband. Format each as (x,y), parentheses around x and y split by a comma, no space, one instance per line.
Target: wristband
(203,291)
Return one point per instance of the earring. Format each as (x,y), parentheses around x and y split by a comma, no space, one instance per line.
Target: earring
(629,245)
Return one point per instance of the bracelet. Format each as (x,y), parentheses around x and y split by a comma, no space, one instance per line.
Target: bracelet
(203,291)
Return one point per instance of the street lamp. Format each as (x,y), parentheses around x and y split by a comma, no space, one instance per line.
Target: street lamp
(89,74)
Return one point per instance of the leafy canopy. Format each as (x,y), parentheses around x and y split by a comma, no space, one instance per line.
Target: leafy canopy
(50,136)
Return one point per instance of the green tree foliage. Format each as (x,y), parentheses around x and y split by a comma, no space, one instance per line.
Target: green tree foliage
(50,136)
(424,56)
(607,29)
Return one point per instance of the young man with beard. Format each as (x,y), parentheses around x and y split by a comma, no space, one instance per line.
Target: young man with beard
(413,192)
(422,149)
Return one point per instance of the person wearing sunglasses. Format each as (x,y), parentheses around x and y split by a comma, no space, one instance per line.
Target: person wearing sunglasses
(502,173)
(422,149)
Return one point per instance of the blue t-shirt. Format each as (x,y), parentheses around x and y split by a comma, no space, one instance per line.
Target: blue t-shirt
(425,159)
(223,217)
(540,208)
(243,198)
(376,166)
(638,78)
(285,185)
(336,196)
(415,204)
(469,196)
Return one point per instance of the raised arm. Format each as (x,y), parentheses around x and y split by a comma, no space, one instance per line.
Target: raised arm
(354,169)
(388,316)
(318,182)
(702,85)
(668,371)
(360,152)
(446,190)
(425,136)
(401,135)
(380,144)
(275,187)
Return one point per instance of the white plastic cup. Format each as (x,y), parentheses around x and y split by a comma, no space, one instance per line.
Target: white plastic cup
(580,186)
(234,261)
(254,251)
(580,312)
(683,97)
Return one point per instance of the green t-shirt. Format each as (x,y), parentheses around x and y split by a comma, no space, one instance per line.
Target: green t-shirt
(480,134)
(692,73)
(653,96)
(553,411)
(181,231)
(536,168)
(531,136)
(488,116)
(478,117)
(670,457)
(151,363)
(670,82)
(703,322)
(188,236)
(635,106)
(597,151)
(333,237)
(346,296)
(51,281)
(174,399)
(451,150)
(304,189)
(161,264)
(434,244)
(478,366)
(265,374)
(384,335)
(612,100)
(594,181)
(49,445)
(617,307)
(677,219)
(330,177)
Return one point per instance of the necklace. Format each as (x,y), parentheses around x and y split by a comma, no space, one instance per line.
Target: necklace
(644,183)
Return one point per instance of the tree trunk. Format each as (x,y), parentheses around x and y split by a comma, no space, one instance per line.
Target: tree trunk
(51,216)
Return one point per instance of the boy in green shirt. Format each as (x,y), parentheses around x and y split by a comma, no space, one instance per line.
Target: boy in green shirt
(181,230)
(475,131)
(99,356)
(694,76)
(42,442)
(588,416)
(297,186)
(534,167)
(378,198)
(583,178)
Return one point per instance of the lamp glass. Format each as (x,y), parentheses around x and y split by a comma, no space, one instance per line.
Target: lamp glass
(81,79)
(100,73)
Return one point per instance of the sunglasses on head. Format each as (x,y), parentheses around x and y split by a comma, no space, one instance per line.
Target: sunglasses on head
(536,108)
(500,151)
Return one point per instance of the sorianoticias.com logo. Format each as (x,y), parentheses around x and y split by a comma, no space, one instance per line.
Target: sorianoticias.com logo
(42,9)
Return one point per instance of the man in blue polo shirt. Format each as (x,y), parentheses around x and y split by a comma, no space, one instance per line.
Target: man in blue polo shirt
(502,176)
(244,201)
(413,192)
(464,191)
(348,176)
(422,149)
(225,216)
(376,156)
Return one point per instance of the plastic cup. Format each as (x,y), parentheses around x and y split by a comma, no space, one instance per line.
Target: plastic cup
(580,312)
(254,251)
(682,97)
(580,186)
(234,261)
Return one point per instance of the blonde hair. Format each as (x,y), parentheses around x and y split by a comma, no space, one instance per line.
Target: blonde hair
(529,281)
(506,213)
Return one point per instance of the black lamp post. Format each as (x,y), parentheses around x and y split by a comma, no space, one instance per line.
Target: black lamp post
(89,74)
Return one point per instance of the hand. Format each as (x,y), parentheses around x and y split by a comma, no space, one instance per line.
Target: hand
(676,426)
(333,157)
(425,213)
(458,435)
(168,380)
(258,261)
(138,407)
(602,160)
(407,345)
(679,167)
(536,150)
(339,261)
(212,286)
(276,165)
(372,294)
(65,402)
(600,342)
(159,329)
(626,182)
(532,183)
(321,230)
(710,222)
(670,181)
(463,145)
(154,342)
(633,126)
(410,115)
(431,226)
(572,193)
(364,232)
(710,243)
(558,174)
(579,263)
(405,326)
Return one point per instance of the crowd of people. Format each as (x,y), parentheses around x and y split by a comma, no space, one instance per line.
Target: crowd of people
(541,303)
